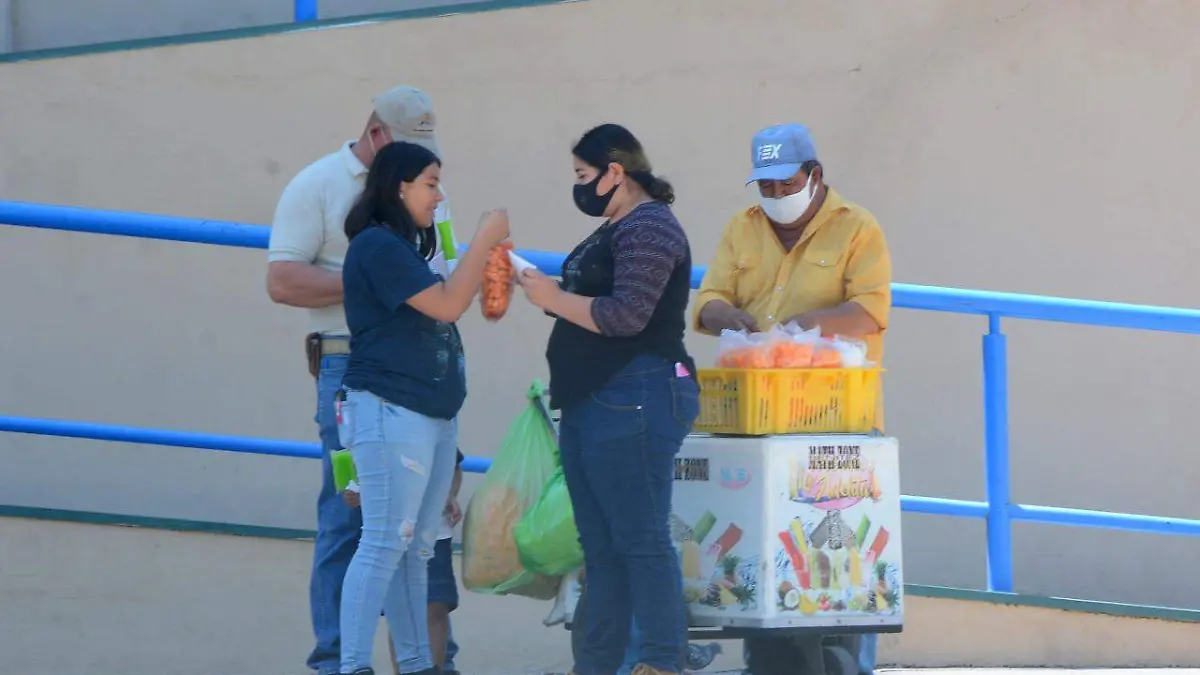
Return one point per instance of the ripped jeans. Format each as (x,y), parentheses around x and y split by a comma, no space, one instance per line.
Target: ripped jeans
(405,463)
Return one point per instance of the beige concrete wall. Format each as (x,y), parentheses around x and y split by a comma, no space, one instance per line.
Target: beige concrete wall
(1038,146)
(96,599)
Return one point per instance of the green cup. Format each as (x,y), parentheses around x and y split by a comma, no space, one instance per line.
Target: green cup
(343,469)
(445,233)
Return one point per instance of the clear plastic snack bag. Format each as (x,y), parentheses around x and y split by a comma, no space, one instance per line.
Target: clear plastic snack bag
(793,347)
(853,352)
(739,349)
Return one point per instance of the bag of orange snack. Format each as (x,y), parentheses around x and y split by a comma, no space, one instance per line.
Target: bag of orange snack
(840,352)
(826,355)
(792,347)
(739,349)
(498,278)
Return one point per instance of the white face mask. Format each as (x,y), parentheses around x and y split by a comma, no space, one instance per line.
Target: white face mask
(787,210)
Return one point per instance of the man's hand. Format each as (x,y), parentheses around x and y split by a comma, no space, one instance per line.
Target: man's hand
(848,319)
(351,498)
(805,320)
(453,512)
(718,315)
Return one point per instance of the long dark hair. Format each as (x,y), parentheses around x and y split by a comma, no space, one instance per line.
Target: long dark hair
(380,202)
(610,143)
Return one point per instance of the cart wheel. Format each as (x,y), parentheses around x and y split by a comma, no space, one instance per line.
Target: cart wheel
(839,661)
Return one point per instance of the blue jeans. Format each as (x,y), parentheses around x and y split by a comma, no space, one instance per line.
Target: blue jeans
(405,464)
(866,653)
(618,452)
(338,528)
(633,651)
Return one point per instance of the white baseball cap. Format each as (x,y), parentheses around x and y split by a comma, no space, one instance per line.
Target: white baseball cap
(408,114)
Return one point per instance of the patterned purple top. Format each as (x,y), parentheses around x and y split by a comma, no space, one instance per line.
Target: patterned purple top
(647,245)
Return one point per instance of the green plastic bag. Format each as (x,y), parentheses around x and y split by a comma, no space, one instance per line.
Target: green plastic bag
(547,540)
(527,458)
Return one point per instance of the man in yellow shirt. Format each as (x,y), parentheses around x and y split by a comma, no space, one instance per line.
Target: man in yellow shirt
(803,254)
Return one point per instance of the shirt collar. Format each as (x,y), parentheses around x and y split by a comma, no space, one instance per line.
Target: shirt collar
(833,205)
(353,165)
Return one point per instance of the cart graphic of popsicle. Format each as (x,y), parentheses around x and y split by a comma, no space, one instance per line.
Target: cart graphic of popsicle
(713,574)
(829,563)
(689,539)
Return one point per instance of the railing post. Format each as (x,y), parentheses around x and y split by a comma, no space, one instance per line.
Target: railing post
(7,39)
(305,10)
(995,429)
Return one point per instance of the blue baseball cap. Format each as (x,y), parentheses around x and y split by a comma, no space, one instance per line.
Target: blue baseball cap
(778,152)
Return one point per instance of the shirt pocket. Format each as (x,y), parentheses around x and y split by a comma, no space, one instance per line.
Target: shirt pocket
(821,276)
(749,281)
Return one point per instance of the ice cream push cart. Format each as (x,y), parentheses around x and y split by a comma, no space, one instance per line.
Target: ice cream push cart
(786,517)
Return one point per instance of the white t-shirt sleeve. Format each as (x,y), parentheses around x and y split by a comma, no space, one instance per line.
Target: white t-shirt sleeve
(298,229)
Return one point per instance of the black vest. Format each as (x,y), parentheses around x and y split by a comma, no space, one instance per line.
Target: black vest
(582,362)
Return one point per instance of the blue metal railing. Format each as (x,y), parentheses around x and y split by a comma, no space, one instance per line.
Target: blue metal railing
(304,10)
(998,511)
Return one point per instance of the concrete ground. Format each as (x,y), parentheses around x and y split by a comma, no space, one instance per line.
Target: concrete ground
(99,600)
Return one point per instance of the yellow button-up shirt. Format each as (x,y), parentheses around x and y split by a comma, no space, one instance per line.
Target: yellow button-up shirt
(842,256)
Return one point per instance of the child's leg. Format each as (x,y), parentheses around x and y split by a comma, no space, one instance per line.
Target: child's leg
(450,668)
(443,599)
(439,632)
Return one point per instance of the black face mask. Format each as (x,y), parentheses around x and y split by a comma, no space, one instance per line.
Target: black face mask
(590,203)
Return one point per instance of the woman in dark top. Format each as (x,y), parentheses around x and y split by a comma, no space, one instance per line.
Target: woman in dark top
(623,379)
(403,388)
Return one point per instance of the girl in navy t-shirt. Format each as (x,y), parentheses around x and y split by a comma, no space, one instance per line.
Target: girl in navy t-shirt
(404,386)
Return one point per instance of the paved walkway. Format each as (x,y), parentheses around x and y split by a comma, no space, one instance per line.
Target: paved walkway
(97,600)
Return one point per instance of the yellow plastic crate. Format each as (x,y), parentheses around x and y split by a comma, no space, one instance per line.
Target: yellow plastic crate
(787,401)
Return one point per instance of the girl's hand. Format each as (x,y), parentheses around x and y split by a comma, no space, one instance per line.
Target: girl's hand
(493,227)
(541,290)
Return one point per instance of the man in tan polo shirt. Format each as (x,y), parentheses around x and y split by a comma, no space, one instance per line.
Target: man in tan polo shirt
(304,269)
